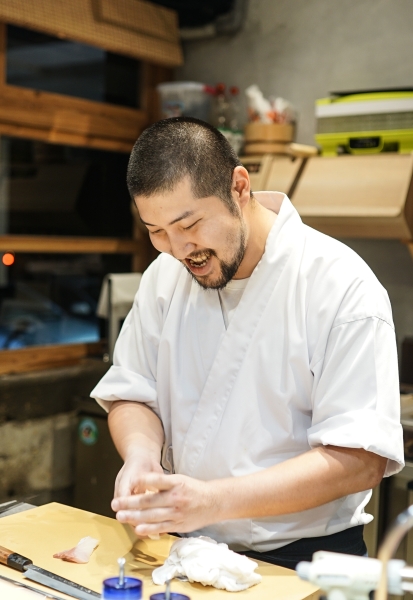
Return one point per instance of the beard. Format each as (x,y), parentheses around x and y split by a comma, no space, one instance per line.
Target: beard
(227,268)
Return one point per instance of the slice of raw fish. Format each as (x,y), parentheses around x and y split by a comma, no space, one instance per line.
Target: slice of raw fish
(80,553)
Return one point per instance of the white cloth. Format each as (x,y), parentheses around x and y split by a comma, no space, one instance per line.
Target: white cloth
(308,359)
(230,297)
(204,561)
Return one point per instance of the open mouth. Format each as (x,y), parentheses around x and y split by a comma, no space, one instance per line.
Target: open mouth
(198,261)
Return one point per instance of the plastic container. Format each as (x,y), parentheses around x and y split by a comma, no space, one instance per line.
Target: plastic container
(130,590)
(172,596)
(185,99)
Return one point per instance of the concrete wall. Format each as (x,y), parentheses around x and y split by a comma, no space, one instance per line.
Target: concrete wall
(303,49)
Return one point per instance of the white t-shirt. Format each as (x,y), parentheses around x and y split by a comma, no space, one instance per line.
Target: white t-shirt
(230,296)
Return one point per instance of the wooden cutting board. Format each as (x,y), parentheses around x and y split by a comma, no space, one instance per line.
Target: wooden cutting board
(40,532)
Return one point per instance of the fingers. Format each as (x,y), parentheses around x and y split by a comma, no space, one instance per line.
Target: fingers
(144,517)
(154,482)
(148,529)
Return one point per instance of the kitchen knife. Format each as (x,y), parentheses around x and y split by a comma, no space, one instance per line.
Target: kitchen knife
(51,580)
(43,593)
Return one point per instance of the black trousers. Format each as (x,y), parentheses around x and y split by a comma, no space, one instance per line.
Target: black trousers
(349,541)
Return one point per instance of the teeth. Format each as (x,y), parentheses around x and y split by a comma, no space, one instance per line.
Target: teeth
(199,260)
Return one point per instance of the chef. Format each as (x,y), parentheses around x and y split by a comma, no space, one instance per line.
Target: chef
(254,388)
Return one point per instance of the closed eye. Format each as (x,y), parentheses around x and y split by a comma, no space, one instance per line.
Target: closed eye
(190,226)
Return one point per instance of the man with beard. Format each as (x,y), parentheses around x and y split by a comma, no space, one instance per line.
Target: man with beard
(254,386)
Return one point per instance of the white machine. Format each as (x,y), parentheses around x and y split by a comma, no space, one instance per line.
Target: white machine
(345,577)
(115,301)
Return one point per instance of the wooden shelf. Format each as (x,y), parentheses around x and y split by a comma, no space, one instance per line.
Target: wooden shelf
(70,245)
(64,120)
(35,358)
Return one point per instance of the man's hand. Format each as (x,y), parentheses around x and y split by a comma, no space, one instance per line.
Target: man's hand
(138,436)
(180,504)
(131,477)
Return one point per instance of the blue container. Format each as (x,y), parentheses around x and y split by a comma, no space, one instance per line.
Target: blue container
(172,596)
(130,590)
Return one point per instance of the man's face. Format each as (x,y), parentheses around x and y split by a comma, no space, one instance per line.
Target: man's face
(200,232)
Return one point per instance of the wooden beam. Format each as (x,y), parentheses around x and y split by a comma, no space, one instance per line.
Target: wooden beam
(152,75)
(62,137)
(64,120)
(36,358)
(69,245)
(409,245)
(3,47)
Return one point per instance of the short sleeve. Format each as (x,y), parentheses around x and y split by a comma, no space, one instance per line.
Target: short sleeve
(356,399)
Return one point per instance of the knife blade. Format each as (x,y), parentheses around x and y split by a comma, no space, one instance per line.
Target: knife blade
(61,584)
(43,593)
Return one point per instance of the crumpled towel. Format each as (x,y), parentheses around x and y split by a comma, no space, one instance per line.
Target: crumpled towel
(203,560)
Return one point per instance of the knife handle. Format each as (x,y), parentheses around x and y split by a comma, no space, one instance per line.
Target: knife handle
(14,560)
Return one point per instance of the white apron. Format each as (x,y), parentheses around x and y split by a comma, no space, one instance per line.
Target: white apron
(309,358)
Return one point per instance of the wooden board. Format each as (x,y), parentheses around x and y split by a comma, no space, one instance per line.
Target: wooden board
(131,27)
(38,358)
(65,120)
(42,531)
(354,186)
(70,245)
(358,196)
(283,174)
(258,168)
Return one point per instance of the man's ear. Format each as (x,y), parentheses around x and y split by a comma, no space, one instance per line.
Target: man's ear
(241,186)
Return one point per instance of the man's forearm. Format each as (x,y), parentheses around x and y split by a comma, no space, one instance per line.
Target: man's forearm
(135,427)
(309,480)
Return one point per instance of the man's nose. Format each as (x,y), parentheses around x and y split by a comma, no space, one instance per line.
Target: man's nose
(181,247)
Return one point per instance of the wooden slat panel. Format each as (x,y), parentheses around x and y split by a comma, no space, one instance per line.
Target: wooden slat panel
(354,186)
(70,245)
(60,119)
(79,20)
(282,174)
(45,357)
(142,17)
(258,168)
(361,227)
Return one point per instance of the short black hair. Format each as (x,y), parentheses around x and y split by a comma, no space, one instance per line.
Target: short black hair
(174,148)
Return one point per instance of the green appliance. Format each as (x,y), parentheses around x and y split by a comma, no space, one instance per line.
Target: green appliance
(365,122)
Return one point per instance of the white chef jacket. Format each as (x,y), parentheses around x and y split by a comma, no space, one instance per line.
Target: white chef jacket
(308,359)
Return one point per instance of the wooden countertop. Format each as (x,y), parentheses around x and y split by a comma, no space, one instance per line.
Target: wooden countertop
(40,532)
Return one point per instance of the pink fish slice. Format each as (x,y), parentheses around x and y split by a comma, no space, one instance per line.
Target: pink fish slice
(80,553)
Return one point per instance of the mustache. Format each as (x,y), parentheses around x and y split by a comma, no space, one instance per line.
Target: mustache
(208,251)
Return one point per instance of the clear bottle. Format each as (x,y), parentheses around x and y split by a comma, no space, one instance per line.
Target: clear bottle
(233,119)
(219,108)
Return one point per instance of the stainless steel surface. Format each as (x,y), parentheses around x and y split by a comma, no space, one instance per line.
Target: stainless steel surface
(42,593)
(60,583)
(13,507)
